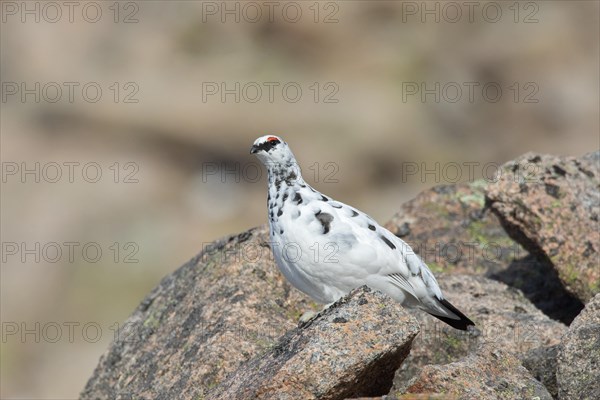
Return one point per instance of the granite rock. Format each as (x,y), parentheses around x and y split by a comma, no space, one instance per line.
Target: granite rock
(578,372)
(451,228)
(488,373)
(551,206)
(502,315)
(201,322)
(351,349)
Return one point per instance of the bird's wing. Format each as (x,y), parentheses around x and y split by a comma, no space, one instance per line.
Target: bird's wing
(361,251)
(365,248)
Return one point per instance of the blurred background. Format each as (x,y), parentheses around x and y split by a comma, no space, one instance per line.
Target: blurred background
(126,128)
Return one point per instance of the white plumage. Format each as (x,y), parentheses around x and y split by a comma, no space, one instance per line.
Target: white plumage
(326,248)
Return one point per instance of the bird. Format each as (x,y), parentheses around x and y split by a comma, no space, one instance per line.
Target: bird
(326,248)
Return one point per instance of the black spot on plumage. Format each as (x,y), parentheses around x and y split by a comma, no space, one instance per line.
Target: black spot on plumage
(285,196)
(387,241)
(371,227)
(291,177)
(271,214)
(297,198)
(354,213)
(325,220)
(281,231)
(324,198)
(279,213)
(336,205)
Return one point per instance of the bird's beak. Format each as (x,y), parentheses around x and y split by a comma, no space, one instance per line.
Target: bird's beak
(254,149)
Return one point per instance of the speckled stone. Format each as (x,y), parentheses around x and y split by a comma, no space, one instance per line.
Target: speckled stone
(542,363)
(201,322)
(551,206)
(451,228)
(501,314)
(578,372)
(489,373)
(352,349)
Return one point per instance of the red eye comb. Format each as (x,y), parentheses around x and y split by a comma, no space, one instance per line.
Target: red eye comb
(271,139)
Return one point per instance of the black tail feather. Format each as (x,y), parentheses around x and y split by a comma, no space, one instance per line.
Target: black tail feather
(463,323)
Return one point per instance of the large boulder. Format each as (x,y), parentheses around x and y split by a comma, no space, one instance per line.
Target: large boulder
(551,205)
(223,307)
(578,372)
(502,315)
(351,349)
(452,230)
(488,373)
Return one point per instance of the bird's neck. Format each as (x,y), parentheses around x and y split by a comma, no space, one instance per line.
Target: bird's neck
(284,183)
(285,175)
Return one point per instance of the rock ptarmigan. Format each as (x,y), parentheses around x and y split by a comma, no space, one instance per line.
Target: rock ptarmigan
(326,248)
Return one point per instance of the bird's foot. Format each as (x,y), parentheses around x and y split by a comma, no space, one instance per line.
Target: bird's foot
(310,315)
(307,318)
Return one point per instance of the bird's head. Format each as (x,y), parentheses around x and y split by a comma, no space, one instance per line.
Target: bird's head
(272,151)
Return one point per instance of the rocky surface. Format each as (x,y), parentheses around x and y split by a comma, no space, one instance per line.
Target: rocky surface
(351,349)
(448,226)
(225,325)
(502,315)
(488,373)
(224,306)
(551,205)
(578,372)
(542,363)
(453,231)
